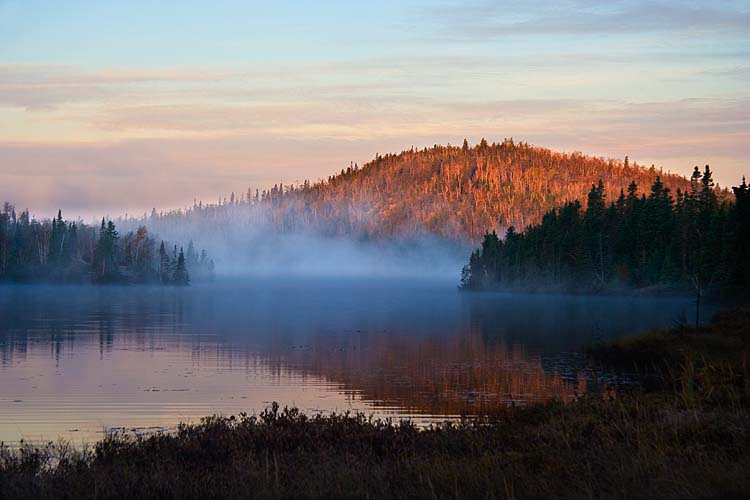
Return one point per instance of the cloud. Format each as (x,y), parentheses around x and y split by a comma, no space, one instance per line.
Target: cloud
(51,74)
(483,18)
(47,87)
(741,73)
(90,95)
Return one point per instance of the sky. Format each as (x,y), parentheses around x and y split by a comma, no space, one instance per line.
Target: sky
(109,108)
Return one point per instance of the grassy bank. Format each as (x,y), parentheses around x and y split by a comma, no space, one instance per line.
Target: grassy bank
(712,359)
(685,438)
(628,448)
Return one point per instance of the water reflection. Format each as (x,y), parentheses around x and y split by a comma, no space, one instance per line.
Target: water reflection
(432,376)
(76,360)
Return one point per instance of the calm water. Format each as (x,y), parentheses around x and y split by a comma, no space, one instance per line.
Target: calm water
(77,360)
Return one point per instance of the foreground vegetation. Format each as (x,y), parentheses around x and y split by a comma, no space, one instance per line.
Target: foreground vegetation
(687,437)
(714,358)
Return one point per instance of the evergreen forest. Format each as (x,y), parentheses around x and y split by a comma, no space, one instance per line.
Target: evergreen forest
(60,251)
(693,240)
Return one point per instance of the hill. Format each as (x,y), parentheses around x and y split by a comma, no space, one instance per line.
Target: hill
(454,193)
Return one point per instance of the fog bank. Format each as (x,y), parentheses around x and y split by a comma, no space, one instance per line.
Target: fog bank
(242,241)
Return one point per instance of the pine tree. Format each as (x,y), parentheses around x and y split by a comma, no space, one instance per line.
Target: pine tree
(707,195)
(164,265)
(181,276)
(191,258)
(105,258)
(740,221)
(593,226)
(56,251)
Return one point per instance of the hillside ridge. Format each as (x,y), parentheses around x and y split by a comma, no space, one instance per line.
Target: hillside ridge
(451,192)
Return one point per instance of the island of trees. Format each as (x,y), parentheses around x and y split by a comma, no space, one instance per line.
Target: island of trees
(56,250)
(695,240)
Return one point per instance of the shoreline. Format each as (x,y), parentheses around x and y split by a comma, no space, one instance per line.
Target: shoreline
(646,292)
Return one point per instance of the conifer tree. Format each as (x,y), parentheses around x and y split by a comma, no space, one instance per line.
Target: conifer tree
(164,265)
(191,258)
(181,276)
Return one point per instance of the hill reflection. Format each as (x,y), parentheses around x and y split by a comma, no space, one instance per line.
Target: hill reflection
(460,374)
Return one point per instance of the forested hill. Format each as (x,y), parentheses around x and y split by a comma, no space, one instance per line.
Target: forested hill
(453,192)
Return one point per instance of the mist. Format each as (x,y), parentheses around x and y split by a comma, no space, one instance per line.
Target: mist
(310,255)
(244,241)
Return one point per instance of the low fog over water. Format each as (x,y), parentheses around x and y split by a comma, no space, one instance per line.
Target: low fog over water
(75,360)
(244,240)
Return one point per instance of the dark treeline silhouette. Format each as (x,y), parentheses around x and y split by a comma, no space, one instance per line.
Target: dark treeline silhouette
(450,192)
(694,240)
(55,250)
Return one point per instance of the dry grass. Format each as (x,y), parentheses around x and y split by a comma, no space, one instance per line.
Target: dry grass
(637,447)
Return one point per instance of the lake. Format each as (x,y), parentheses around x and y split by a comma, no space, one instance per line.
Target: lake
(78,360)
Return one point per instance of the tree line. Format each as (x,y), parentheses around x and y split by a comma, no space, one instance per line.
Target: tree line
(56,250)
(695,240)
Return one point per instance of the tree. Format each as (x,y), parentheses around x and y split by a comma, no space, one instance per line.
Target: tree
(707,195)
(739,216)
(181,276)
(105,259)
(56,253)
(593,226)
(191,258)
(164,265)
